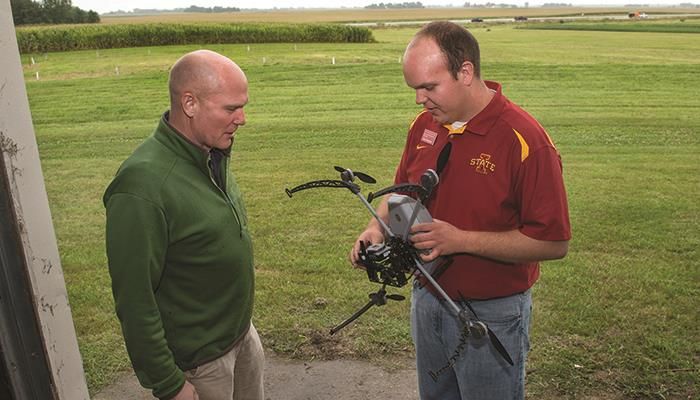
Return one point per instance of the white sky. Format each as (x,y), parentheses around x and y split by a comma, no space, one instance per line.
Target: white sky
(102,6)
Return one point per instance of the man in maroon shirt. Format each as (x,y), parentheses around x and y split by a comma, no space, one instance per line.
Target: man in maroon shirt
(499,209)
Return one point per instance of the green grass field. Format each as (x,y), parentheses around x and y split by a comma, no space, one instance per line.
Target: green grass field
(616,319)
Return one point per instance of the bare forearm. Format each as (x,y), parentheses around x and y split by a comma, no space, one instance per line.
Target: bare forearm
(511,246)
(442,238)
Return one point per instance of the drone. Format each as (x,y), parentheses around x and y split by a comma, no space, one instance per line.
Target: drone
(395,261)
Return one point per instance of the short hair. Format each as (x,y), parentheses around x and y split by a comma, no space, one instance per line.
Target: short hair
(457,44)
(192,72)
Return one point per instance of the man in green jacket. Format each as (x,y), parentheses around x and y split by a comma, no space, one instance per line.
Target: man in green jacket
(178,246)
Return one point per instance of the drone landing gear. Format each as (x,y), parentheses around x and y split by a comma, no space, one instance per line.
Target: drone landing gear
(375,299)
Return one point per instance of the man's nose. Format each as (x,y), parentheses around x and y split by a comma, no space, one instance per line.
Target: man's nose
(239,117)
(420,97)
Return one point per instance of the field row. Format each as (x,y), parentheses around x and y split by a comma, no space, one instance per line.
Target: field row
(42,39)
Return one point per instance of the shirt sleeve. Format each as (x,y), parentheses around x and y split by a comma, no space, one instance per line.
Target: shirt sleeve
(136,239)
(401,175)
(544,210)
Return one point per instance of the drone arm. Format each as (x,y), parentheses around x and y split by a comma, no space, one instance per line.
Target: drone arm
(380,215)
(323,183)
(438,288)
(401,187)
(380,219)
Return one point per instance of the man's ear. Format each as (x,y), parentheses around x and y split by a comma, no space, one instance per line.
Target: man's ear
(466,73)
(189,103)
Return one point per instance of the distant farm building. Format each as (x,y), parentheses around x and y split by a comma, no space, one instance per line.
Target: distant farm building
(637,15)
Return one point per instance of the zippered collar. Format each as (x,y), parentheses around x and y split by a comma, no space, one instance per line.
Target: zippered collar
(175,141)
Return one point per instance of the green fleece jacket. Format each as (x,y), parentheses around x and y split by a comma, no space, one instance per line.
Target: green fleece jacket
(180,258)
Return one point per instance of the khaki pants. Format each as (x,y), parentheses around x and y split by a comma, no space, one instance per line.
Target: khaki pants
(237,375)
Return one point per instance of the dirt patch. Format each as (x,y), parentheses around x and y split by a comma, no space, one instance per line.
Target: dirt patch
(321,345)
(309,380)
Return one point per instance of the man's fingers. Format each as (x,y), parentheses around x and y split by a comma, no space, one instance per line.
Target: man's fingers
(419,239)
(429,254)
(425,245)
(421,227)
(355,254)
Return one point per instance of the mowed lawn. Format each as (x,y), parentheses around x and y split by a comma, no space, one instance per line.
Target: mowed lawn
(617,319)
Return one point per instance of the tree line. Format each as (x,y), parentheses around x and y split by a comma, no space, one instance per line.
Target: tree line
(215,9)
(26,12)
(382,6)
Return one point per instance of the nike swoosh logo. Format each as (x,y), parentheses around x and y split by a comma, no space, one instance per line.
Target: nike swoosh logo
(420,146)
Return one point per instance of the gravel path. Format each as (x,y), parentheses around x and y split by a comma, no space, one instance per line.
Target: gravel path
(312,380)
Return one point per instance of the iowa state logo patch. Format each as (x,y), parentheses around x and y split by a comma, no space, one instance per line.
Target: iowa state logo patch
(483,164)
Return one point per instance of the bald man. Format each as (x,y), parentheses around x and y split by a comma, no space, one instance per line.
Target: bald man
(178,246)
(500,208)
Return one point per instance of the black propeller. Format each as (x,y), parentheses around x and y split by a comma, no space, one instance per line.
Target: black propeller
(349,175)
(492,336)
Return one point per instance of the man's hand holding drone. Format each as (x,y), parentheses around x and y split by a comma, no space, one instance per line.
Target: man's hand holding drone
(371,235)
(437,238)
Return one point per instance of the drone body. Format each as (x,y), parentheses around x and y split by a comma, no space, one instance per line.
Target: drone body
(395,261)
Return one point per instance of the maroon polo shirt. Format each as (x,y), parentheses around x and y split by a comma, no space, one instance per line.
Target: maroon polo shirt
(503,173)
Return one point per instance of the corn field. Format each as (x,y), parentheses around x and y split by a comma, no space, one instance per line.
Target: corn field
(85,37)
